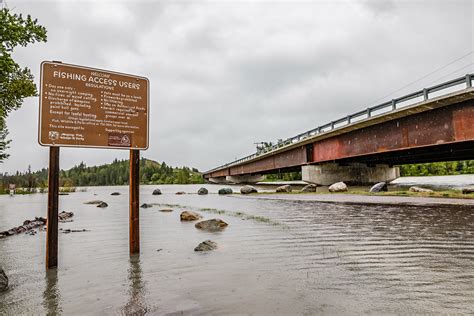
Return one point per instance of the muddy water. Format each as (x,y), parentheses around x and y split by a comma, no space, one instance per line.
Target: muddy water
(279,257)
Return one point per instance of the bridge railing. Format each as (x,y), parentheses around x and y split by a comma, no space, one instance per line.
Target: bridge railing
(349,119)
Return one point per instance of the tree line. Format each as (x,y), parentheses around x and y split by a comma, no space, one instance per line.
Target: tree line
(115,173)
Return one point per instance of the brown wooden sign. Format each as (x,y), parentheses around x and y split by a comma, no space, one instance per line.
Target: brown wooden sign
(87,107)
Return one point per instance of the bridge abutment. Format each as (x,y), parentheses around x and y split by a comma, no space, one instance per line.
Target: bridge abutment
(354,173)
(217,180)
(254,178)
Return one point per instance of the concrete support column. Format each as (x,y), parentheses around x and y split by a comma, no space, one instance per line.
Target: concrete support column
(245,178)
(354,173)
(217,180)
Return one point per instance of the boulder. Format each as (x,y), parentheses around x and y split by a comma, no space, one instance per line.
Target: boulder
(115,193)
(166,210)
(65,216)
(102,204)
(338,187)
(284,189)
(93,202)
(189,216)
(379,187)
(467,190)
(3,281)
(206,245)
(309,188)
(248,189)
(420,190)
(212,225)
(225,191)
(156,192)
(203,191)
(180,193)
(146,205)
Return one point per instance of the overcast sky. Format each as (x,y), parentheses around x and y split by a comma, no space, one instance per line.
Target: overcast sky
(226,74)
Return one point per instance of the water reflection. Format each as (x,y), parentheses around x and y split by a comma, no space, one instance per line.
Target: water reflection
(51,294)
(136,291)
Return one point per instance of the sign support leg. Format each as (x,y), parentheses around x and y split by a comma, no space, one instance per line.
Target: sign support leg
(134,201)
(53,202)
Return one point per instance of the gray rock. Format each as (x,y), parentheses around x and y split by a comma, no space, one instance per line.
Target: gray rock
(338,187)
(180,193)
(146,205)
(206,245)
(212,225)
(166,210)
(309,188)
(225,191)
(379,187)
(103,204)
(420,190)
(284,189)
(93,202)
(248,189)
(115,193)
(467,190)
(189,216)
(3,280)
(156,192)
(203,191)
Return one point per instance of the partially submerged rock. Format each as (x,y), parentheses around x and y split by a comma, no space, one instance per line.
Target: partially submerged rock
(379,187)
(145,205)
(284,189)
(65,216)
(203,191)
(189,216)
(248,189)
(115,193)
(3,281)
(309,188)
(166,210)
(338,187)
(420,190)
(225,191)
(68,231)
(93,202)
(180,193)
(212,225)
(156,192)
(103,204)
(206,245)
(467,190)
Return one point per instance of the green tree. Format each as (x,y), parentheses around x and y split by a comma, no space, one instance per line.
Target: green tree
(16,83)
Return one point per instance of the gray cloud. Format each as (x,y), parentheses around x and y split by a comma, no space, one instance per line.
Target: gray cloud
(226,74)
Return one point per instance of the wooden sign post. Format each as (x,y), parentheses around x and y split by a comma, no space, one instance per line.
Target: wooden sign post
(91,108)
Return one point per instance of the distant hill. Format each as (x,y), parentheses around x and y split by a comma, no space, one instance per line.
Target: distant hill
(115,173)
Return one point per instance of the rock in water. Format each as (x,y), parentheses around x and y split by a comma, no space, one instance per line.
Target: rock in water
(93,202)
(418,189)
(189,216)
(3,281)
(467,190)
(103,204)
(203,191)
(212,225)
(156,192)
(65,216)
(338,187)
(225,191)
(248,189)
(115,193)
(145,205)
(180,193)
(206,245)
(284,189)
(379,187)
(166,210)
(309,188)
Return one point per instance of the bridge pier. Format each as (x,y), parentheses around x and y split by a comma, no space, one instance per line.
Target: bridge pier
(354,173)
(217,180)
(247,178)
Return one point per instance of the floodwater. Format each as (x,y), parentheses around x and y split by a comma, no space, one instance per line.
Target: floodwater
(278,257)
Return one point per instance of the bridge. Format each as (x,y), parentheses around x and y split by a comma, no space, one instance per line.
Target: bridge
(430,125)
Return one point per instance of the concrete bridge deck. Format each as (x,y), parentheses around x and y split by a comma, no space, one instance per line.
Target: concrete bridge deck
(365,146)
